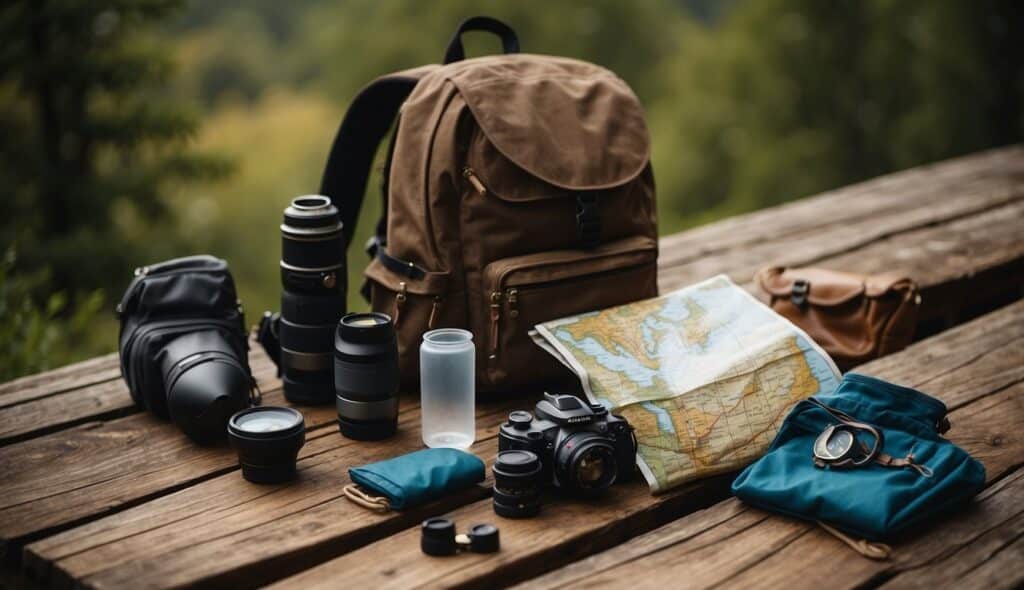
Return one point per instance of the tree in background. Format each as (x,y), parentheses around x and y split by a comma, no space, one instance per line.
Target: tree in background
(87,149)
(792,97)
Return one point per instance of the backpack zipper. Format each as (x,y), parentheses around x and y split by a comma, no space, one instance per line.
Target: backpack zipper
(470,175)
(495,323)
(400,298)
(435,309)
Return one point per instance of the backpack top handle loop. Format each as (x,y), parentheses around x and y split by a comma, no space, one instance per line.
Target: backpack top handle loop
(509,40)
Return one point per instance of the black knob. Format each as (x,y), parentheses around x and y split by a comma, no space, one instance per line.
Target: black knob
(483,538)
(438,536)
(520,419)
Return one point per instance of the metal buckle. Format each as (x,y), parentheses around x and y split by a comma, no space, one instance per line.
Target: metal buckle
(798,294)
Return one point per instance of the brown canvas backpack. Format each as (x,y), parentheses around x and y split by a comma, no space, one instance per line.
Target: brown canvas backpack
(517,189)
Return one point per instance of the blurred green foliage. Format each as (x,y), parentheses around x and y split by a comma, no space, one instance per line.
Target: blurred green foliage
(749,104)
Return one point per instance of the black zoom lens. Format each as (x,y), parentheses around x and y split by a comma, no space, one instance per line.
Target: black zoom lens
(366,376)
(517,484)
(585,462)
(313,297)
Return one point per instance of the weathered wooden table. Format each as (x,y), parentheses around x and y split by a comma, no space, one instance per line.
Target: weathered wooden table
(95,493)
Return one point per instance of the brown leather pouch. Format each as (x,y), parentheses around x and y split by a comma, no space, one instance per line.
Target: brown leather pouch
(855,318)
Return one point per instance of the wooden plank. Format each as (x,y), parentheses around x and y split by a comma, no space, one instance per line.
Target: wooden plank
(983,191)
(955,188)
(979,252)
(73,376)
(101,401)
(55,481)
(986,423)
(193,535)
(977,369)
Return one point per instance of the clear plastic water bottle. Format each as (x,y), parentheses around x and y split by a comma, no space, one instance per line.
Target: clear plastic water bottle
(448,388)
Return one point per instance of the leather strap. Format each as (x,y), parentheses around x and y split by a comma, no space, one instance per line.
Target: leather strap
(509,40)
(876,551)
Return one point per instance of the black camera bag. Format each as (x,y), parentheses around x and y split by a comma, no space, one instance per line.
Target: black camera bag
(167,300)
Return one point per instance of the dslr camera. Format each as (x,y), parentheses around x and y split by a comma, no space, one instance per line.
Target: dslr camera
(583,448)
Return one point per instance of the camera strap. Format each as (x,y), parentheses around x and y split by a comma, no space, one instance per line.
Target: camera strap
(875,453)
(266,335)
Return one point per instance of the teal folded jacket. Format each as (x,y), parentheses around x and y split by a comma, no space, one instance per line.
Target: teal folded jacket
(421,476)
(873,501)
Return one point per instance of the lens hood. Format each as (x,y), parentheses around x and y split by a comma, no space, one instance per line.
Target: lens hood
(267,440)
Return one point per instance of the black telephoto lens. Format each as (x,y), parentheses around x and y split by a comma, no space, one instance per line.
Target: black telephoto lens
(366,376)
(313,297)
(267,440)
(205,383)
(517,484)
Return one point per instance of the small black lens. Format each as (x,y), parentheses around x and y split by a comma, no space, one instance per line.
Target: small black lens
(517,484)
(585,462)
(366,376)
(267,440)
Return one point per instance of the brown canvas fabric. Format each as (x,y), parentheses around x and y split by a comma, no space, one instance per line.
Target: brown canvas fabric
(492,159)
(855,318)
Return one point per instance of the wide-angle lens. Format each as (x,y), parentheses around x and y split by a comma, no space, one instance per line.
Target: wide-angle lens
(517,484)
(267,440)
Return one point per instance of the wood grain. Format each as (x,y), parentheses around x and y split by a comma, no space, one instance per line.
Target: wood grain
(145,507)
(100,401)
(58,480)
(193,535)
(986,424)
(846,228)
(744,547)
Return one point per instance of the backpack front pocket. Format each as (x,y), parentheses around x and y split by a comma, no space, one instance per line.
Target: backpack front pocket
(524,291)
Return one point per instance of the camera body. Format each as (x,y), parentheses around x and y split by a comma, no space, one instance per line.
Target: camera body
(583,448)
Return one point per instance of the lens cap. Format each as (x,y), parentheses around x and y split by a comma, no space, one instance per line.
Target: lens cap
(483,538)
(438,537)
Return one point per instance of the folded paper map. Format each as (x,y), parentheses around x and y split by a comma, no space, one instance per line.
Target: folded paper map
(705,375)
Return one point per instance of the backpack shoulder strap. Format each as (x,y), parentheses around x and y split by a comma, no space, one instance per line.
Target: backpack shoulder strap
(366,122)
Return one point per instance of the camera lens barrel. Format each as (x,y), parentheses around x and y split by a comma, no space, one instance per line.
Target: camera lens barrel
(517,484)
(313,277)
(366,376)
(205,383)
(585,462)
(267,440)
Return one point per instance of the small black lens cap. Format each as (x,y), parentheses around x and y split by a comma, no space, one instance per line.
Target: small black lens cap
(438,536)
(483,538)
(517,462)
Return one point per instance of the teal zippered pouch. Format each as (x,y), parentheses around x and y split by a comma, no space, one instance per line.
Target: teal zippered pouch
(419,477)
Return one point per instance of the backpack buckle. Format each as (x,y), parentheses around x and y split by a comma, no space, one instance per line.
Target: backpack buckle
(588,220)
(798,294)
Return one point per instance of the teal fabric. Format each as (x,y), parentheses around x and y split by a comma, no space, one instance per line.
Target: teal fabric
(873,502)
(419,477)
